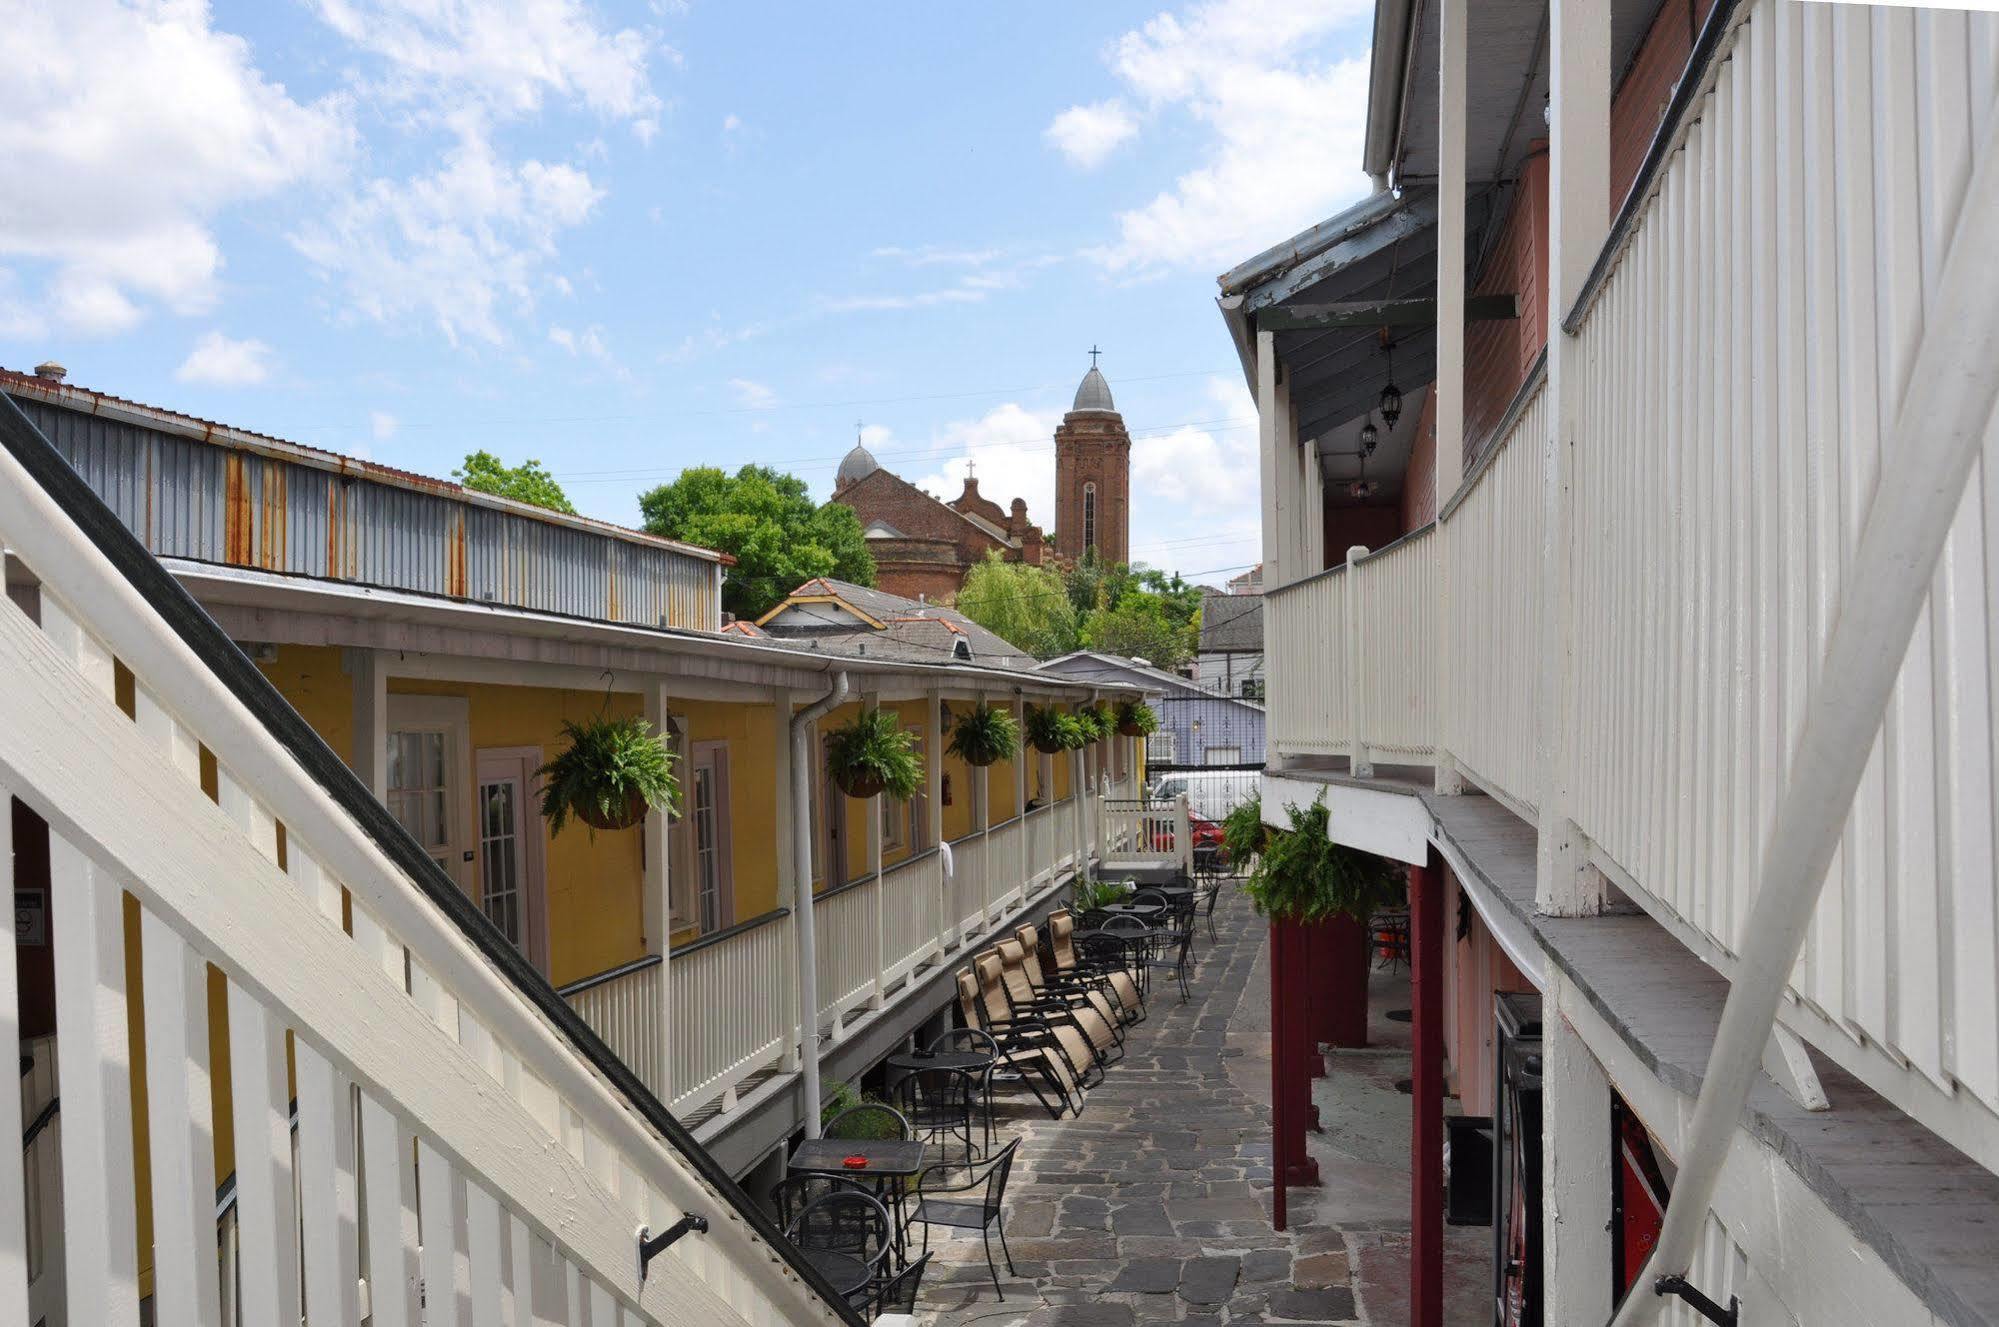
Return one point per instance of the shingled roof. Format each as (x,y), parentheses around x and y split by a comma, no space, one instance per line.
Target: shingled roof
(1232,624)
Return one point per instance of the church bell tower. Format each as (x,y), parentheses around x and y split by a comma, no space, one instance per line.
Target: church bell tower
(1093,476)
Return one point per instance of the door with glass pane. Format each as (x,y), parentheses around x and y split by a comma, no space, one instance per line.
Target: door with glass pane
(429,770)
(510,848)
(708,829)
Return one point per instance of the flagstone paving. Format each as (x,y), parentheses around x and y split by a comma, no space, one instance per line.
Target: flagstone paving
(1154,1204)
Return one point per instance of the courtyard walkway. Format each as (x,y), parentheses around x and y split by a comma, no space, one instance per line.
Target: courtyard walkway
(1154,1204)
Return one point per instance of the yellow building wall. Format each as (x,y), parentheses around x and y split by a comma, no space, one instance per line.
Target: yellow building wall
(311,678)
(751,733)
(854,826)
(1002,798)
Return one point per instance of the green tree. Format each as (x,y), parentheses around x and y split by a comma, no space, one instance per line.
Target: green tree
(526,482)
(768,522)
(1027,606)
(1141,626)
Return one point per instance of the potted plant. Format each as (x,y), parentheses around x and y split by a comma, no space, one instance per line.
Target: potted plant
(1244,834)
(1092,893)
(983,735)
(1135,718)
(874,754)
(1303,876)
(1052,731)
(1096,723)
(613,771)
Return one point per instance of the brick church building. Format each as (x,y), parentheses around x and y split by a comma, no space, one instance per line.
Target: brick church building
(923,546)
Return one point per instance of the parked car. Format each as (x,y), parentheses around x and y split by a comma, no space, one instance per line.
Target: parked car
(1211,794)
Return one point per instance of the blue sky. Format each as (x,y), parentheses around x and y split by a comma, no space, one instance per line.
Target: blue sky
(629,238)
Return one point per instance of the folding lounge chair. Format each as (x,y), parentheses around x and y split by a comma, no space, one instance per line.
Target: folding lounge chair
(1029,1055)
(1092,1008)
(1070,1029)
(1114,979)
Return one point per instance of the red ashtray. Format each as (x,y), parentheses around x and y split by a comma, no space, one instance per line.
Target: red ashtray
(855,1163)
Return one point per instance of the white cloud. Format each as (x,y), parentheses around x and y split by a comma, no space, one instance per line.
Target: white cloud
(930,255)
(966,293)
(138,125)
(456,246)
(1010,449)
(1088,134)
(752,395)
(1285,117)
(381,425)
(731,123)
(221,361)
(509,54)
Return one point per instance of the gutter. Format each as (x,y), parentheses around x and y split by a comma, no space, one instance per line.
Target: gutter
(801,866)
(1387,75)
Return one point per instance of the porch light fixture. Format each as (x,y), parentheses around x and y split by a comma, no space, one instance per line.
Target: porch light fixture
(1362,488)
(1369,436)
(1391,395)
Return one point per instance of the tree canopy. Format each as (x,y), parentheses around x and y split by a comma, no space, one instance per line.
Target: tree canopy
(1027,606)
(768,522)
(526,482)
(1141,626)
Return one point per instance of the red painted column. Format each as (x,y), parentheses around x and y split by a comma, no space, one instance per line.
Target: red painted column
(1345,959)
(1426,1103)
(1279,1212)
(1291,1037)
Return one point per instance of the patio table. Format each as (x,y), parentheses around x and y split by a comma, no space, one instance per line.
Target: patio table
(890,1161)
(974,1063)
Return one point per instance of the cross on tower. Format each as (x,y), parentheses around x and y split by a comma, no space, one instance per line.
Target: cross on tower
(1094,352)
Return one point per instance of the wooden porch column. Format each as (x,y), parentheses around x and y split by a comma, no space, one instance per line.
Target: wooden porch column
(1577,1178)
(1426,1103)
(1020,759)
(934,738)
(1578,220)
(873,839)
(656,898)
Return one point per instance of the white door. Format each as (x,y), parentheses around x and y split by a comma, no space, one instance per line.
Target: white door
(510,857)
(429,768)
(708,817)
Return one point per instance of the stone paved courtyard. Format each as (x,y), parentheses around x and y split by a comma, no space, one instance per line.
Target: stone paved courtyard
(1154,1204)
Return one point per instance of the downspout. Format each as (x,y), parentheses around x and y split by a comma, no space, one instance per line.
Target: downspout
(801,867)
(1938,430)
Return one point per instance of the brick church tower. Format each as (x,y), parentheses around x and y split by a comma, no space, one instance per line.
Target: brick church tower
(1093,476)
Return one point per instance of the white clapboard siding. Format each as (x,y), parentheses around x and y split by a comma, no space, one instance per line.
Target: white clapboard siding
(1305,654)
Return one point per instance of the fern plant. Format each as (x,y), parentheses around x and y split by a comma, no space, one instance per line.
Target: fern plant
(613,771)
(1135,718)
(1096,723)
(1303,876)
(1091,893)
(1244,833)
(1051,731)
(983,735)
(874,754)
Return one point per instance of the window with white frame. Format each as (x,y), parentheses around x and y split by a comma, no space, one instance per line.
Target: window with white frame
(1162,747)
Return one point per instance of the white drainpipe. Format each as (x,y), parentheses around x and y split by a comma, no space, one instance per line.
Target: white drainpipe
(1937,435)
(801,868)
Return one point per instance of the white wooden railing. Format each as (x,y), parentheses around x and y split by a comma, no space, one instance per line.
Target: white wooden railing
(735,1011)
(1041,856)
(452,1140)
(1147,832)
(1740,360)
(912,915)
(968,886)
(849,922)
(626,1008)
(1004,844)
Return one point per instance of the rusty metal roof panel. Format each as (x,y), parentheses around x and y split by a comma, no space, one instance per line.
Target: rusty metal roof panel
(210,500)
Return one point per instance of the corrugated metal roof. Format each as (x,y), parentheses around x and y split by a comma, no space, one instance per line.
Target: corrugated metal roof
(196,490)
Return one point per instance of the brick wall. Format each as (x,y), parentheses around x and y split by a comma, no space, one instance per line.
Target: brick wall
(1369,526)
(1419,481)
(1640,104)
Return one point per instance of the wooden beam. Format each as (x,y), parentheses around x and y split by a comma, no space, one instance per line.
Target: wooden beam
(1381,313)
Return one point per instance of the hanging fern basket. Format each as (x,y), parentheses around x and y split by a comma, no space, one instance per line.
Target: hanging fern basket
(860,784)
(625,817)
(1136,719)
(873,755)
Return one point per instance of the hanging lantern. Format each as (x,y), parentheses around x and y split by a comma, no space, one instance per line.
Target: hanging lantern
(1369,436)
(1391,403)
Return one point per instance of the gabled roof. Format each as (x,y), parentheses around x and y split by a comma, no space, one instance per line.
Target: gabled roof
(845,497)
(899,628)
(1232,624)
(1092,665)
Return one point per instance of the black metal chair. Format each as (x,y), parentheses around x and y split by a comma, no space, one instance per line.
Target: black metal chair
(1134,935)
(898,1293)
(1177,957)
(981,1041)
(869,1120)
(968,1198)
(851,1224)
(791,1195)
(938,1105)
(1212,895)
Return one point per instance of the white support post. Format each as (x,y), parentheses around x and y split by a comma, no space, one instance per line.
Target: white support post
(656,899)
(871,700)
(1020,759)
(1357,762)
(370,757)
(1576,1176)
(1453,18)
(1579,217)
(933,801)
(13,1174)
(1272,445)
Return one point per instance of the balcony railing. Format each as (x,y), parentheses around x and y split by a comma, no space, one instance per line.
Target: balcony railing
(1741,353)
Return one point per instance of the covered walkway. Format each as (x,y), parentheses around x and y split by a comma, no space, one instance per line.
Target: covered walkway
(1154,1204)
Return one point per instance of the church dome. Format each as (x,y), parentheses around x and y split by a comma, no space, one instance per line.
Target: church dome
(1094,393)
(858,465)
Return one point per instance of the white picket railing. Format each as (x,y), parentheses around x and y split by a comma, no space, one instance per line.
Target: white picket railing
(849,934)
(735,1011)
(968,886)
(626,1008)
(1004,845)
(1040,823)
(1138,833)
(405,1041)
(1739,366)
(912,915)
(1304,627)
